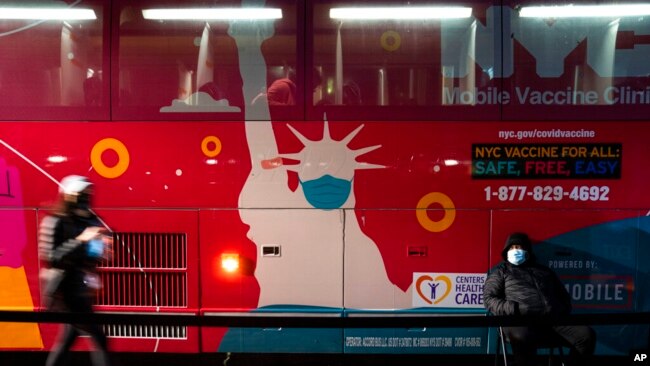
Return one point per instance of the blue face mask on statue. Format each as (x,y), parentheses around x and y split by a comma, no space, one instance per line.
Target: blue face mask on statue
(517,256)
(327,192)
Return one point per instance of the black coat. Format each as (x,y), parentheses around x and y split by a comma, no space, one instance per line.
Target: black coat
(69,261)
(526,289)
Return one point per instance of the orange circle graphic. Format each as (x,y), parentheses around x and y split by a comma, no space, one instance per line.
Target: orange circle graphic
(211,153)
(390,40)
(446,203)
(123,158)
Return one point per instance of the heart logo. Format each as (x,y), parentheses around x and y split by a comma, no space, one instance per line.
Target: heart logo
(433,293)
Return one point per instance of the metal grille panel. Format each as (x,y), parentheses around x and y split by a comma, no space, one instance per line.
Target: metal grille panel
(146,331)
(146,269)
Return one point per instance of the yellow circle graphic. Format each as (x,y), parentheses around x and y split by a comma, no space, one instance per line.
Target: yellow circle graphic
(390,40)
(211,153)
(446,203)
(122,158)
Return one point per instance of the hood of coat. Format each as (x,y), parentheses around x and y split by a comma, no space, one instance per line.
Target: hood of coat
(519,239)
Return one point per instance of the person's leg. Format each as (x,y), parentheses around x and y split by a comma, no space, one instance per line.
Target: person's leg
(582,340)
(522,340)
(101,356)
(66,337)
(83,305)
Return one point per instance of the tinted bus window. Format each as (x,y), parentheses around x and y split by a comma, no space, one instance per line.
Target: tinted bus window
(180,60)
(52,61)
(403,60)
(582,61)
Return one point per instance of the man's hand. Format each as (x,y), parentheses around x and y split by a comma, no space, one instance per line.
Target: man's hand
(522,308)
(89,234)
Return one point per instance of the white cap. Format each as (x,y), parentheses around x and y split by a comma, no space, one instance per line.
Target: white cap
(73,184)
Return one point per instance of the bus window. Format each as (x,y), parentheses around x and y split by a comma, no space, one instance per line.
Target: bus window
(180,60)
(53,61)
(582,61)
(402,60)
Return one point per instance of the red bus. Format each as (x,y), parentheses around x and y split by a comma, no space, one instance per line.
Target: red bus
(345,158)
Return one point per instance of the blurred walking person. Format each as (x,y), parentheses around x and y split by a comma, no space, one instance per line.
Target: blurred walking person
(72,242)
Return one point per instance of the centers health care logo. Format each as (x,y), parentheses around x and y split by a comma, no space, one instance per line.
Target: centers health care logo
(430,294)
(448,290)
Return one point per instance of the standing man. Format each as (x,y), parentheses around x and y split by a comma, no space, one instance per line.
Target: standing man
(71,244)
(521,286)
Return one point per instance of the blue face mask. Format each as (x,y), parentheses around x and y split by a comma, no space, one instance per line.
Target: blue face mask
(327,192)
(517,256)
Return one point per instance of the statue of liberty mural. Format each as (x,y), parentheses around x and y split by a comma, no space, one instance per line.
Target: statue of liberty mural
(326,260)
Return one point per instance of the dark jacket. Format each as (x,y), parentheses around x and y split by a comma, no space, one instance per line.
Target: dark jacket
(526,289)
(68,260)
